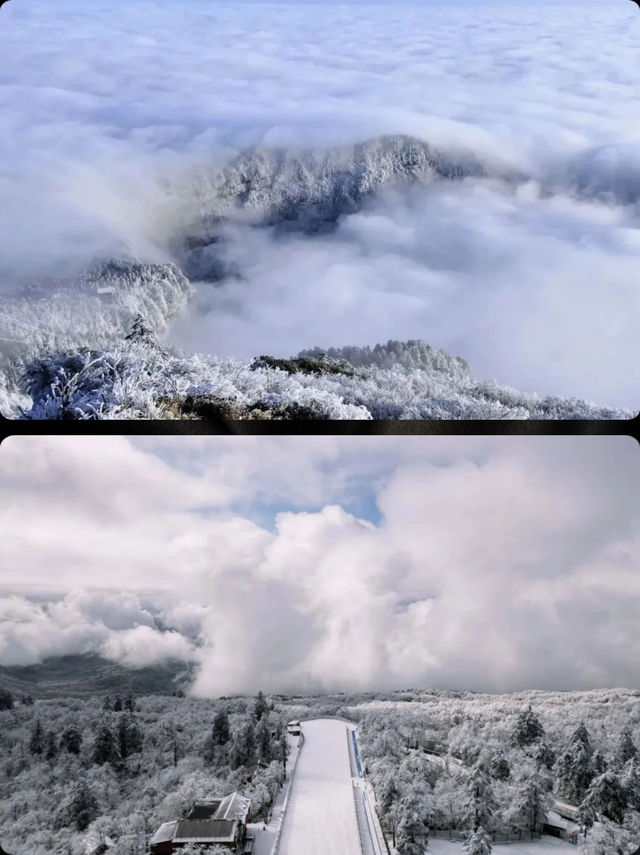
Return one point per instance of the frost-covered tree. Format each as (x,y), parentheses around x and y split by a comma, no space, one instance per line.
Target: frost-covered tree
(530,806)
(71,739)
(481,802)
(574,769)
(220,732)
(130,737)
(500,768)
(599,763)
(37,738)
(412,830)
(545,756)
(630,780)
(477,843)
(6,700)
(263,741)
(607,839)
(527,730)
(260,707)
(605,798)
(243,748)
(81,809)
(51,746)
(625,749)
(105,746)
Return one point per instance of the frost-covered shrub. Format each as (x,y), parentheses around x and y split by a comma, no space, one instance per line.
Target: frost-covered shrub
(138,379)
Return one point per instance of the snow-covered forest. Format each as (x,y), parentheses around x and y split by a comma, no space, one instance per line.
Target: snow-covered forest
(98,344)
(482,765)
(76,771)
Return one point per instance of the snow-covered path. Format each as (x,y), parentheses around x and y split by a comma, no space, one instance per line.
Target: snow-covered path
(321,817)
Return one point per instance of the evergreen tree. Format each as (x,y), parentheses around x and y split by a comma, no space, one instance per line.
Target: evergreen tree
(477,843)
(527,730)
(545,756)
(130,737)
(481,802)
(243,750)
(500,769)
(107,703)
(260,707)
(36,742)
(83,808)
(388,795)
(6,700)
(626,749)
(587,814)
(130,702)
(411,830)
(105,747)
(599,763)
(117,704)
(574,770)
(531,805)
(263,741)
(630,780)
(51,747)
(140,332)
(605,798)
(220,733)
(71,739)
(27,700)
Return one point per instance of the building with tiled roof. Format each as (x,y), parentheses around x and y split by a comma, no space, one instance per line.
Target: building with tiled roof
(215,822)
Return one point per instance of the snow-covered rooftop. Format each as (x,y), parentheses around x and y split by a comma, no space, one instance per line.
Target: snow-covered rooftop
(164,833)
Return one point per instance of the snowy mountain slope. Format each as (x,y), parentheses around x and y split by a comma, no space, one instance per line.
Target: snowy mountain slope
(139,379)
(305,190)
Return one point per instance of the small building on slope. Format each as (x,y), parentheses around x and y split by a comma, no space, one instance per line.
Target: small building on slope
(215,822)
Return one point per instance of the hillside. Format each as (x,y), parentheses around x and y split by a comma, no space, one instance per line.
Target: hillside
(83,674)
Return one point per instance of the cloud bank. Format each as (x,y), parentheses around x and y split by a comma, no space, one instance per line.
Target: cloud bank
(110,117)
(330,563)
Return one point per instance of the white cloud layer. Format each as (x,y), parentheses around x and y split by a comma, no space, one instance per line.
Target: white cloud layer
(330,562)
(106,112)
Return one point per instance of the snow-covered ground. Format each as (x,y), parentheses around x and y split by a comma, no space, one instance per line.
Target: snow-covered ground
(545,846)
(321,818)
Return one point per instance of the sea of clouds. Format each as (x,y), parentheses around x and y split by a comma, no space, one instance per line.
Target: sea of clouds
(109,111)
(309,563)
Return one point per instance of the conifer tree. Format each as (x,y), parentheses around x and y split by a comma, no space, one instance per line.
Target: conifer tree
(527,730)
(481,802)
(260,707)
(83,808)
(530,808)
(630,780)
(220,732)
(574,770)
(477,843)
(605,798)
(263,741)
(37,740)
(71,739)
(626,749)
(105,747)
(51,747)
(6,700)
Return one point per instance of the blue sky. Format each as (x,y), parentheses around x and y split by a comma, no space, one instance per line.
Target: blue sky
(440,561)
